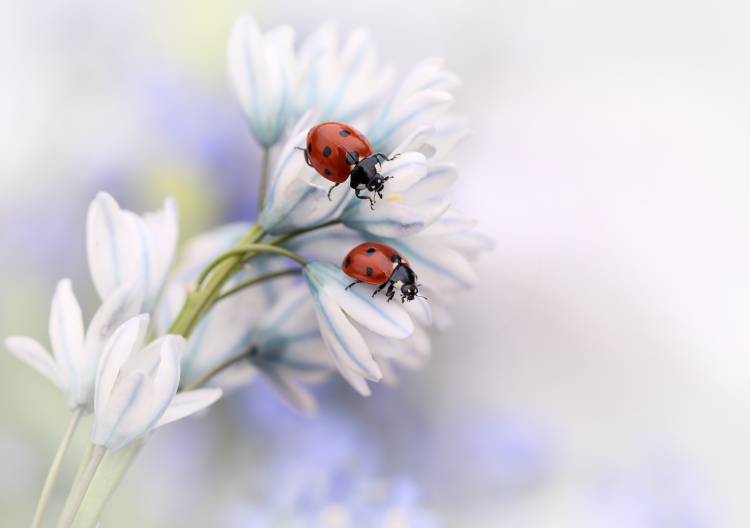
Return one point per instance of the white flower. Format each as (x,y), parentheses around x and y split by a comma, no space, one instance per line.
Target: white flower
(420,99)
(413,125)
(123,247)
(339,311)
(136,386)
(263,72)
(75,353)
(413,199)
(340,82)
(289,350)
(273,323)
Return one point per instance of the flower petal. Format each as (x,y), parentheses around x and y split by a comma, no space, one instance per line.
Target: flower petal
(36,356)
(125,340)
(262,71)
(343,340)
(187,403)
(393,218)
(111,245)
(405,171)
(167,376)
(293,393)
(123,304)
(443,269)
(66,335)
(436,183)
(127,413)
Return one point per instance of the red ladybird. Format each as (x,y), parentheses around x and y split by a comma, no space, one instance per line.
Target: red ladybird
(379,264)
(337,151)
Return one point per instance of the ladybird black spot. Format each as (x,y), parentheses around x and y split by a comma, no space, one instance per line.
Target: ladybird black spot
(347,262)
(309,147)
(369,271)
(327,151)
(344,133)
(328,172)
(371,250)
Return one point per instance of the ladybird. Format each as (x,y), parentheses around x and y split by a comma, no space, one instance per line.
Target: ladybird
(338,151)
(380,264)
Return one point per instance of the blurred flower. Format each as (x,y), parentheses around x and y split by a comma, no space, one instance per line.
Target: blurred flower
(136,386)
(75,353)
(340,82)
(263,72)
(658,493)
(338,309)
(123,246)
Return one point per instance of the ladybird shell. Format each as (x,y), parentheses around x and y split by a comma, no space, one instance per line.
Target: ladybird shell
(371,262)
(331,146)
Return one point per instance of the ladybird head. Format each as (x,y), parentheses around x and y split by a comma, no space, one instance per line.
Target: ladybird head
(376,183)
(409,291)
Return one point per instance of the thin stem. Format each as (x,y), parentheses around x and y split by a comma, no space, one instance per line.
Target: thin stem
(294,234)
(199,301)
(256,280)
(80,487)
(248,249)
(220,368)
(263,188)
(54,469)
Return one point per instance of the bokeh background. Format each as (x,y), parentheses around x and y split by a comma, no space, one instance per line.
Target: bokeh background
(598,378)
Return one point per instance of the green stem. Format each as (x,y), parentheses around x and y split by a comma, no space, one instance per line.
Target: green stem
(80,487)
(256,280)
(248,250)
(263,188)
(199,301)
(294,234)
(54,469)
(219,368)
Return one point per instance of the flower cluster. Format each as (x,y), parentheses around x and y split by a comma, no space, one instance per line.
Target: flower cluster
(233,307)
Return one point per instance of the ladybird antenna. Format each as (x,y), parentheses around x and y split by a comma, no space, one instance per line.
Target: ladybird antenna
(423,297)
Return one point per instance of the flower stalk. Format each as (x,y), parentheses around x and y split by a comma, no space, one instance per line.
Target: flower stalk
(80,486)
(54,470)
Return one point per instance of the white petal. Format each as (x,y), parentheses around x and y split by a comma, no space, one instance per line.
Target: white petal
(375,313)
(355,380)
(158,239)
(167,376)
(419,140)
(123,304)
(420,310)
(405,171)
(35,355)
(343,340)
(110,245)
(125,340)
(187,403)
(468,243)
(450,222)
(393,218)
(437,267)
(416,111)
(66,335)
(291,392)
(262,72)
(127,413)
(436,183)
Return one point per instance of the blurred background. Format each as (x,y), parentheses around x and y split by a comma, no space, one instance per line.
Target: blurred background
(599,377)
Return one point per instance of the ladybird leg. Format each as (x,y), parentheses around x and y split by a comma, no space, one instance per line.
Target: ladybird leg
(307,157)
(353,283)
(331,190)
(372,202)
(390,293)
(379,288)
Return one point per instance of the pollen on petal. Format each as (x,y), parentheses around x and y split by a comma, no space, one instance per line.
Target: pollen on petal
(396,198)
